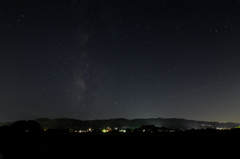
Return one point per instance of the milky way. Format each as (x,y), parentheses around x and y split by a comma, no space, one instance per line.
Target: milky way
(124,59)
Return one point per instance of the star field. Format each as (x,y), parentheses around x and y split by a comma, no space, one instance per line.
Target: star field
(102,59)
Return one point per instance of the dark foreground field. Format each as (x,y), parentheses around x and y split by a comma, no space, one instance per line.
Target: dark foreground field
(74,145)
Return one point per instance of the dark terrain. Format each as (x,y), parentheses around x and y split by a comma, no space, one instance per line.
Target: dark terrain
(65,145)
(42,143)
(173,123)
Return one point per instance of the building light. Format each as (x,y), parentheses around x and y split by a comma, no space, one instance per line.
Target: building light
(104,131)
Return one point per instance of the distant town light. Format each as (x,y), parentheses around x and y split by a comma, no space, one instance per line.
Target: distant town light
(122,130)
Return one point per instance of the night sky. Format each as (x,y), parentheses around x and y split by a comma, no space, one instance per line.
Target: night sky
(105,59)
